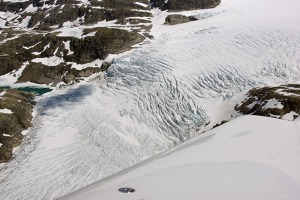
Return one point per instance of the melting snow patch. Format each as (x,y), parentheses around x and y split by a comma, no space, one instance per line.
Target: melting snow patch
(95,63)
(2,23)
(86,2)
(290,116)
(31,46)
(31,9)
(5,111)
(67,47)
(70,32)
(15,1)
(281,91)
(105,23)
(12,77)
(2,93)
(141,4)
(50,61)
(90,34)
(251,105)
(25,22)
(273,103)
(39,53)
(5,15)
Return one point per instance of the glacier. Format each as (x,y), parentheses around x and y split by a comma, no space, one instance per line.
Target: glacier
(251,157)
(155,97)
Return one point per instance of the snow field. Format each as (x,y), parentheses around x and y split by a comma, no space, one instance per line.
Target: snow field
(251,157)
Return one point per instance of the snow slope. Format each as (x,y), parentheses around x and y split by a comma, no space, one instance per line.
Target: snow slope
(250,157)
(155,97)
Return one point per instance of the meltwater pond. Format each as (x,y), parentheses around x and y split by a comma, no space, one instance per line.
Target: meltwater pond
(35,90)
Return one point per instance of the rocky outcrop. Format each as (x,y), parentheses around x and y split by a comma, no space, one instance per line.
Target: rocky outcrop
(178,5)
(178,19)
(27,47)
(104,42)
(42,41)
(14,6)
(12,123)
(41,74)
(280,102)
(89,14)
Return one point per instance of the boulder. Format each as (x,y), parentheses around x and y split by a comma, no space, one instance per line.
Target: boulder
(178,19)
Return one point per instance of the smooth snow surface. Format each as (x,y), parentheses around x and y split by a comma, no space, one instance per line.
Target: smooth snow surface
(251,157)
(158,96)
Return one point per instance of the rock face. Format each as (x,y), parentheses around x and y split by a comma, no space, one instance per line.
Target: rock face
(280,102)
(179,5)
(178,19)
(15,116)
(49,39)
(104,41)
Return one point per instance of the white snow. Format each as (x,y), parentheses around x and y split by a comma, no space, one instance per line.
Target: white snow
(31,9)
(11,78)
(5,111)
(251,157)
(90,34)
(2,93)
(25,22)
(273,103)
(95,63)
(85,2)
(49,61)
(290,116)
(141,4)
(15,1)
(281,91)
(67,47)
(31,46)
(2,23)
(70,31)
(39,53)
(7,15)
(160,94)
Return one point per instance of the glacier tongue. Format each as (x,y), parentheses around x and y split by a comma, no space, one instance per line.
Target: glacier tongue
(152,99)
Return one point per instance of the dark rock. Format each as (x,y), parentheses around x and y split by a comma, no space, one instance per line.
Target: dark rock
(178,5)
(85,50)
(178,19)
(11,125)
(123,4)
(257,98)
(41,74)
(14,7)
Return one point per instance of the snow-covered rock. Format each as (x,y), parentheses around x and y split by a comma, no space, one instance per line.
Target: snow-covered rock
(279,101)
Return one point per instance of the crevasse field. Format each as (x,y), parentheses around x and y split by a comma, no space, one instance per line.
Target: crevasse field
(155,97)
